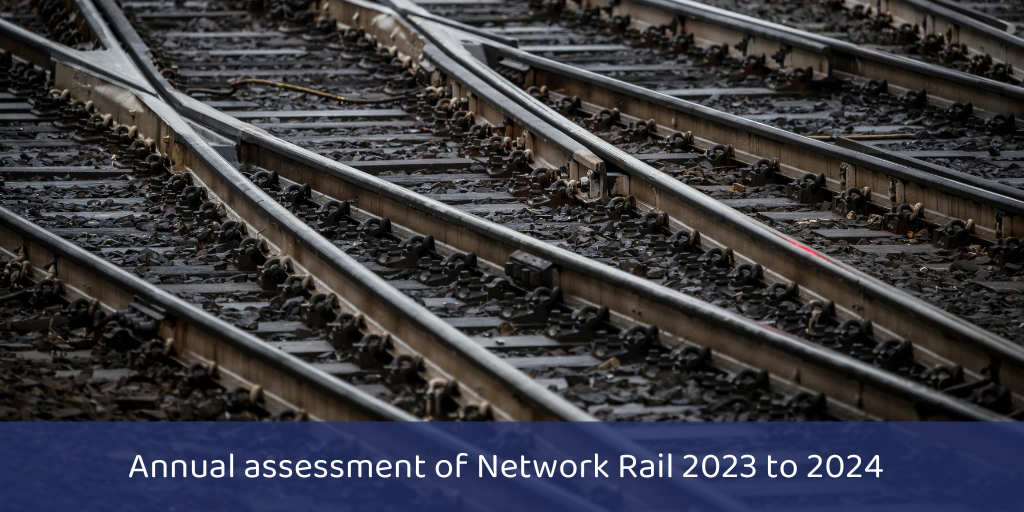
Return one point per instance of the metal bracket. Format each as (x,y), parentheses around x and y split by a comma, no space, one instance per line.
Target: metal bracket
(532,271)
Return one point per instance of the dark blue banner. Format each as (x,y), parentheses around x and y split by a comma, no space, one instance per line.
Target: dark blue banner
(511,467)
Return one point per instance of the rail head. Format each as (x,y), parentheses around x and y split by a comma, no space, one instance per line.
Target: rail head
(987,19)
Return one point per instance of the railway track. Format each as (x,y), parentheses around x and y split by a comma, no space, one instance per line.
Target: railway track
(652,49)
(236,275)
(79,321)
(52,21)
(118,359)
(706,383)
(412,260)
(776,204)
(489,268)
(743,82)
(117,344)
(76,187)
(817,357)
(570,82)
(464,199)
(530,321)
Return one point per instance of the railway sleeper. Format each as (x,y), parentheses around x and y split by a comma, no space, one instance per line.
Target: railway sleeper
(742,284)
(850,201)
(816,321)
(208,224)
(629,359)
(111,354)
(461,126)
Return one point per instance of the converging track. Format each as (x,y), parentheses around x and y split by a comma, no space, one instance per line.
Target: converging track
(624,115)
(483,233)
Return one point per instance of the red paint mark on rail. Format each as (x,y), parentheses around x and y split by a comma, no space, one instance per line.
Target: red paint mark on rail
(805,248)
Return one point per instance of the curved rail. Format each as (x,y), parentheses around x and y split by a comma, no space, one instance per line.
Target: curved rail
(286,156)
(859,294)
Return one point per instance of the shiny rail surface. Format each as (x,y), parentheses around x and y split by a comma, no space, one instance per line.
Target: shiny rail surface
(251,290)
(370,212)
(540,348)
(526,280)
(93,300)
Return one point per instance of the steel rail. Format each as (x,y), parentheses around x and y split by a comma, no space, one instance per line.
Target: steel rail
(39,51)
(797,50)
(850,59)
(291,163)
(120,62)
(945,193)
(241,358)
(610,295)
(511,392)
(199,154)
(987,19)
(958,24)
(605,286)
(855,294)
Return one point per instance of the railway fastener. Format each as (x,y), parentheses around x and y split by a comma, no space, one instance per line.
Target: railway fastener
(903,218)
(953,234)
